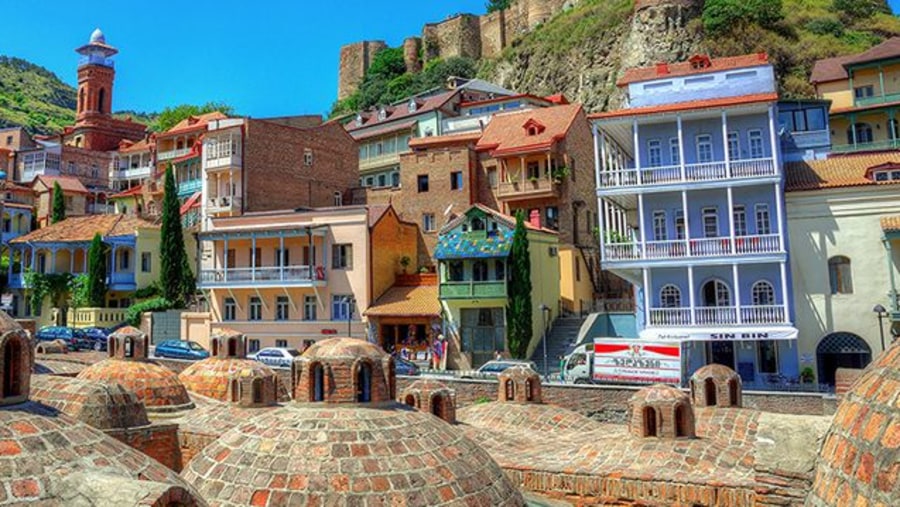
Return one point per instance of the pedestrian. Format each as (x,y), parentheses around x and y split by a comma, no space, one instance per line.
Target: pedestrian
(562,368)
(498,356)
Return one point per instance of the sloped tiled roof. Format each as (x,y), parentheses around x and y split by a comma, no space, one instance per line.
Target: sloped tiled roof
(195,122)
(455,244)
(835,172)
(398,111)
(375,212)
(891,223)
(686,68)
(67,183)
(140,146)
(507,132)
(830,69)
(743,100)
(82,229)
(445,140)
(887,49)
(131,192)
(419,301)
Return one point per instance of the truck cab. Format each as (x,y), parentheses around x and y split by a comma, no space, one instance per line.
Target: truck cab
(579,365)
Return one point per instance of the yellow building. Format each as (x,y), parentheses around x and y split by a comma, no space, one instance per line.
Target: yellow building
(473,252)
(864,91)
(289,278)
(133,263)
(843,220)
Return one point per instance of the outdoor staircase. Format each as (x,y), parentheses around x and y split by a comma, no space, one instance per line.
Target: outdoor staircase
(561,340)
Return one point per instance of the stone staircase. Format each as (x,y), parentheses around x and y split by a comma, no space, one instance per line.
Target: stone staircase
(560,342)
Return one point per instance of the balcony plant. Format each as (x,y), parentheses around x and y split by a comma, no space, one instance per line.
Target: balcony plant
(807,375)
(560,173)
(404,263)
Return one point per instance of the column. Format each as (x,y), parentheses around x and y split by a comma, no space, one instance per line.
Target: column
(691,291)
(522,175)
(892,128)
(881,81)
(647,310)
(601,217)
(737,292)
(281,254)
(599,155)
(681,147)
(71,260)
(778,216)
(890,266)
(32,260)
(643,228)
(853,129)
(12,257)
(731,234)
(253,256)
(687,223)
(775,144)
(637,155)
(785,295)
(84,261)
(52,260)
(225,267)
(727,149)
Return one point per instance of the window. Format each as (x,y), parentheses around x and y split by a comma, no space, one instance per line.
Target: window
(395,179)
(282,311)
(230,311)
(338,199)
(762,219)
(861,92)
(254,345)
(455,271)
(840,275)
(763,294)
(679,225)
(9,140)
(479,271)
(859,133)
(659,226)
(382,114)
(342,257)
(146,262)
(500,269)
(95,171)
(740,220)
(72,167)
(734,146)
(230,258)
(768,356)
(255,308)
(282,257)
(422,181)
(670,296)
(551,214)
(428,222)
(308,157)
(756,144)
(654,152)
(370,181)
(715,293)
(710,223)
(382,180)
(456,180)
(125,260)
(704,148)
(674,151)
(341,307)
(534,170)
(281,343)
(492,177)
(309,307)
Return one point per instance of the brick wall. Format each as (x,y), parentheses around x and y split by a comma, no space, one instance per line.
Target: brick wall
(276,176)
(159,441)
(391,240)
(84,161)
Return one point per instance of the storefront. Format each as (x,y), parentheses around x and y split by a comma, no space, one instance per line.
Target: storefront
(406,321)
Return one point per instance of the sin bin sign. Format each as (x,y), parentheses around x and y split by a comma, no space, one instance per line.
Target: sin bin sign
(637,361)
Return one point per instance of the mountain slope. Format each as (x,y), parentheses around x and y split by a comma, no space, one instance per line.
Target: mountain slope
(33,97)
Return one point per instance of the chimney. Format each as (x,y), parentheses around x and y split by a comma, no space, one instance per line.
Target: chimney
(662,69)
(763,56)
(534,218)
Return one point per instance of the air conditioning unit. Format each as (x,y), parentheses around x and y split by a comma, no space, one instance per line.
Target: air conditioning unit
(554,251)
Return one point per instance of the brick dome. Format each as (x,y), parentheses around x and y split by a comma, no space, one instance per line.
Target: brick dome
(316,454)
(519,383)
(99,404)
(531,418)
(859,463)
(716,385)
(662,411)
(16,361)
(344,370)
(431,396)
(213,378)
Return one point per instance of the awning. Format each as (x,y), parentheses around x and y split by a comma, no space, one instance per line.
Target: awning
(715,334)
(418,301)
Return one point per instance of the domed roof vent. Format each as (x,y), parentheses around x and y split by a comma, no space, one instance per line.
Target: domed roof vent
(661,411)
(520,384)
(228,344)
(128,343)
(716,385)
(431,396)
(344,370)
(17,354)
(97,37)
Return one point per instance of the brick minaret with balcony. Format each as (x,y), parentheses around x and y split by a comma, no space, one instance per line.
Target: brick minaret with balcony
(95,128)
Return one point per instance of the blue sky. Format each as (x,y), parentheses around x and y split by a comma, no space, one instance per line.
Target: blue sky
(265,58)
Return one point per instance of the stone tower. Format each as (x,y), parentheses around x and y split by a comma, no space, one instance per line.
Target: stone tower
(355,61)
(660,32)
(412,46)
(96,72)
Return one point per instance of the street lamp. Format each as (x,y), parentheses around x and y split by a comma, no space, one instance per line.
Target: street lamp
(350,302)
(544,308)
(882,313)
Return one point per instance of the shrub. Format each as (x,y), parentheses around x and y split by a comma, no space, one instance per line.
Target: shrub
(134,312)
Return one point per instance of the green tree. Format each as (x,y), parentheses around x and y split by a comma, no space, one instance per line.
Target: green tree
(387,64)
(720,16)
(857,9)
(518,309)
(172,115)
(55,285)
(96,285)
(58,213)
(175,278)
(497,5)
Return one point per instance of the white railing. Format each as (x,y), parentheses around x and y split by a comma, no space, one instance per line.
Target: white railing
(705,247)
(701,247)
(706,315)
(665,249)
(658,175)
(752,168)
(770,314)
(226,276)
(133,173)
(705,171)
(622,251)
(621,178)
(670,316)
(768,243)
(168,155)
(224,203)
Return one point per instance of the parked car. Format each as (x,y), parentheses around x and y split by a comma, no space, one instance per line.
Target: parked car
(495,367)
(98,336)
(180,349)
(75,338)
(405,367)
(275,356)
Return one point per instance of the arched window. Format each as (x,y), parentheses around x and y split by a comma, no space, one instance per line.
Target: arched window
(839,275)
(437,406)
(364,383)
(732,392)
(649,422)
(670,296)
(12,368)
(232,347)
(81,100)
(215,347)
(763,294)
(129,347)
(479,271)
(235,391)
(111,346)
(510,388)
(863,133)
(709,388)
(101,100)
(257,390)
(680,421)
(318,382)
(716,293)
(410,400)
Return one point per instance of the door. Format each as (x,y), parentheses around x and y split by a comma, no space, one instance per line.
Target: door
(483,333)
(721,353)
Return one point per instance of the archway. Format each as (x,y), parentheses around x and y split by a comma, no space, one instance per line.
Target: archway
(649,422)
(318,382)
(364,383)
(841,350)
(232,347)
(257,391)
(709,390)
(680,421)
(437,406)
(12,368)
(732,393)
(410,400)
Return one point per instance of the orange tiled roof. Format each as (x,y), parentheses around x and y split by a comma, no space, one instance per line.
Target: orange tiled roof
(67,183)
(195,122)
(688,106)
(419,301)
(507,133)
(82,229)
(836,172)
(891,223)
(192,202)
(448,139)
(129,147)
(131,192)
(664,70)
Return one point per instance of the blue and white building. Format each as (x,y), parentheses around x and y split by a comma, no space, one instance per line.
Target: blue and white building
(691,211)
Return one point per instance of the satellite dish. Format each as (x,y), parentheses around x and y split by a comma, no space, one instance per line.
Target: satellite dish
(447,211)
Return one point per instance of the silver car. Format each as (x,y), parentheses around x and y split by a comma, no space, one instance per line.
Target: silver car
(495,367)
(275,356)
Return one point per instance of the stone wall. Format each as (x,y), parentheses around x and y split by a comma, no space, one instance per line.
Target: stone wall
(457,36)
(354,61)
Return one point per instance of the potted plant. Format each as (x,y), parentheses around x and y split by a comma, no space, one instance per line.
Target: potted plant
(807,376)
(560,173)
(404,262)
(533,180)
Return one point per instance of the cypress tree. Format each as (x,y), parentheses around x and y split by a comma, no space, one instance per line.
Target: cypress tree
(58,213)
(175,279)
(96,285)
(518,309)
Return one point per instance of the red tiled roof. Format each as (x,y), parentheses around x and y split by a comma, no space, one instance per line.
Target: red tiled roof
(131,192)
(507,133)
(418,301)
(887,49)
(830,69)
(192,202)
(664,70)
(836,171)
(67,183)
(558,99)
(193,123)
(82,229)
(449,139)
(375,212)
(505,98)
(398,111)
(687,106)
(126,146)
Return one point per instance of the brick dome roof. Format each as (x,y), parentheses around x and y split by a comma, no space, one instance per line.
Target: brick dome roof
(157,387)
(859,462)
(344,348)
(211,377)
(714,371)
(99,404)
(316,453)
(528,417)
(659,393)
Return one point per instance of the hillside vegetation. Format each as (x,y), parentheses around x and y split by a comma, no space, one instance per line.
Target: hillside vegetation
(33,97)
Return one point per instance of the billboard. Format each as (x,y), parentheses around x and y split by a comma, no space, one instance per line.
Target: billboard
(637,361)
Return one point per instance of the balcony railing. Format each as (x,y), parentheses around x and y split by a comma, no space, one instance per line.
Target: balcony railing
(891,144)
(169,155)
(132,173)
(538,187)
(95,317)
(472,290)
(16,281)
(379,161)
(189,187)
(707,171)
(878,99)
(223,204)
(701,247)
(262,275)
(118,278)
(718,315)
(96,60)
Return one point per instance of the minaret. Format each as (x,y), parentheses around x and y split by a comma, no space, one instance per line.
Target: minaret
(96,71)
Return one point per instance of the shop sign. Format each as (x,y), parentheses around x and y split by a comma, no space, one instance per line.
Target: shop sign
(637,361)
